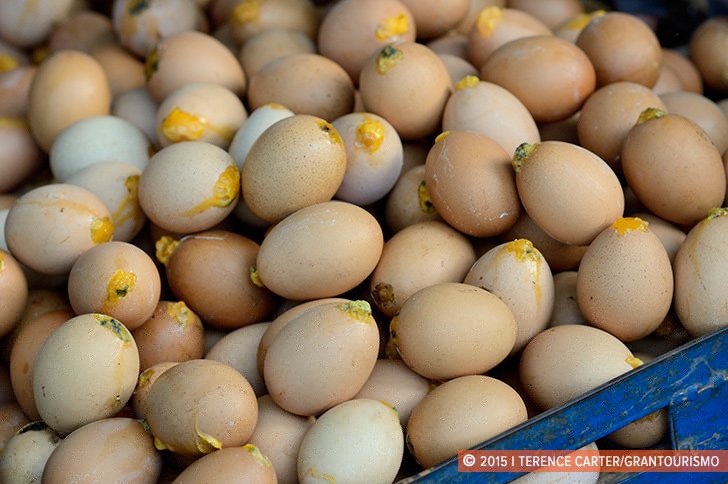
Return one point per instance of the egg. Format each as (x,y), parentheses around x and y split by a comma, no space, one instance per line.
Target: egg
(452,329)
(462,413)
(214,273)
(15,90)
(564,362)
(566,75)
(71,218)
(26,453)
(118,449)
(573,215)
(68,87)
(434,17)
(81,30)
(668,159)
(566,308)
(471,183)
(387,87)
(684,68)
(232,464)
(493,111)
(409,201)
(474,8)
(144,384)
(124,71)
(69,392)
(258,121)
(519,275)
(551,13)
(199,406)
(667,81)
(239,349)
(12,419)
(453,44)
(278,435)
(14,287)
(699,299)
(21,156)
(625,280)
(457,67)
(29,22)
(249,17)
(272,44)
(703,112)
(669,234)
(708,36)
(352,29)
(322,357)
(342,444)
(416,257)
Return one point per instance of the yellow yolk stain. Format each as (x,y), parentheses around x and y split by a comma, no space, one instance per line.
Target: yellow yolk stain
(629,224)
(392,27)
(224,192)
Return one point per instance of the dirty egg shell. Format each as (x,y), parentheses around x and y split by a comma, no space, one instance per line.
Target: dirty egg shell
(409,201)
(232,464)
(144,384)
(26,453)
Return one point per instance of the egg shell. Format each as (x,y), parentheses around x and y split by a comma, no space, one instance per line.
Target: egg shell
(199,406)
(668,160)
(452,44)
(435,17)
(27,344)
(520,276)
(278,435)
(12,419)
(81,30)
(342,444)
(625,281)
(272,44)
(488,109)
(553,13)
(471,183)
(566,309)
(235,465)
(474,8)
(352,29)
(118,449)
(669,234)
(293,262)
(457,67)
(172,333)
(239,349)
(189,186)
(564,362)
(200,112)
(28,23)
(213,273)
(297,162)
(701,111)
(15,90)
(250,18)
(409,201)
(26,453)
(700,301)
(42,301)
(387,87)
(452,329)
(667,81)
(21,156)
(416,257)
(393,382)
(69,86)
(684,68)
(608,115)
(705,39)
(568,191)
(462,412)
(123,70)
(69,392)
(14,288)
(144,384)
(137,107)
(71,218)
(259,120)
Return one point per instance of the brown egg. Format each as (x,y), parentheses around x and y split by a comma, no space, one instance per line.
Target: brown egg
(144,385)
(124,71)
(69,86)
(701,111)
(239,349)
(200,111)
(305,83)
(272,44)
(42,301)
(609,114)
(496,26)
(667,81)
(352,29)
(568,191)
(14,288)
(471,183)
(118,450)
(297,162)
(669,234)
(173,333)
(667,159)
(474,8)
(553,13)
(566,308)
(457,67)
(231,465)
(26,346)
(564,130)
(393,382)
(278,435)
(199,406)
(625,281)
(21,156)
(622,48)
(453,44)
(117,279)
(409,201)
(387,87)
(28,23)
(519,275)
(322,357)
(190,57)
(15,90)
(488,109)
(564,362)
(566,76)
(250,17)
(705,51)
(71,218)
(189,186)
(418,256)
(452,329)
(571,28)
(26,453)
(462,413)
(700,300)
(68,391)
(12,419)
(82,30)
(435,17)
(684,68)
(137,107)
(214,273)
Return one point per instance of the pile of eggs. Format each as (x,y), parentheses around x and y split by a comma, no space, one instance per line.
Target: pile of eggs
(338,241)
